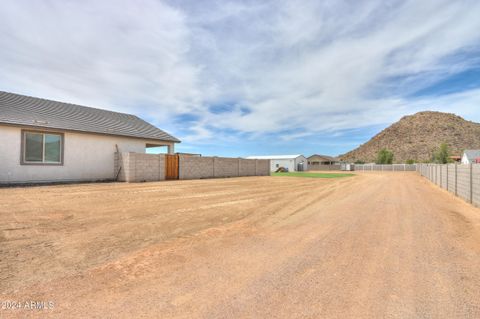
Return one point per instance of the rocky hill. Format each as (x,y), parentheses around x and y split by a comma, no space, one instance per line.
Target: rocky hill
(417,136)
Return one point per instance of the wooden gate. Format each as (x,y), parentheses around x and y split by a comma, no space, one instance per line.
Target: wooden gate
(171,166)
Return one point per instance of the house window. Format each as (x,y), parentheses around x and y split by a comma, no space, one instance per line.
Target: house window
(42,148)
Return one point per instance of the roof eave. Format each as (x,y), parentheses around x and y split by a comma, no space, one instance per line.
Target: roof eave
(43,127)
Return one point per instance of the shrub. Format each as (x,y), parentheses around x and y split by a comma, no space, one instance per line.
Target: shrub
(385,156)
(442,155)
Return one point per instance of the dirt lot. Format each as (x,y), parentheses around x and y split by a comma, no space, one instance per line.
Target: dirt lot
(377,245)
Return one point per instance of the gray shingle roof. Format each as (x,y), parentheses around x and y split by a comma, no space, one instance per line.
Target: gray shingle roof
(25,110)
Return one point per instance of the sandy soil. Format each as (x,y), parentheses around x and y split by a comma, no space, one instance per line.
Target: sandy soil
(377,245)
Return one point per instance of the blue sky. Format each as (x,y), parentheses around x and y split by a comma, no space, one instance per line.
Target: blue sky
(237,78)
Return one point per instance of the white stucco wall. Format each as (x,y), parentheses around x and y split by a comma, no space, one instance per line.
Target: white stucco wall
(86,157)
(291,164)
(287,163)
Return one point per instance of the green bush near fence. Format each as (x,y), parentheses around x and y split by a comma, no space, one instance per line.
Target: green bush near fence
(442,155)
(385,156)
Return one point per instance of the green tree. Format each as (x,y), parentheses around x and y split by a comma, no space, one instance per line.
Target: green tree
(410,161)
(385,156)
(442,155)
(359,162)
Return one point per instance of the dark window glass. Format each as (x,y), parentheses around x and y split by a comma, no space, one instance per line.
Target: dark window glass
(52,148)
(33,147)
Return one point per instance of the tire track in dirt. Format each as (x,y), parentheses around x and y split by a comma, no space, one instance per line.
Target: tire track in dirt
(374,246)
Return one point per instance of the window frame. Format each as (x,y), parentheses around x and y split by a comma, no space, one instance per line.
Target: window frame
(43,163)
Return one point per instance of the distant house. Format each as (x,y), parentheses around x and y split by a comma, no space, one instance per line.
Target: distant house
(293,163)
(317,159)
(471,156)
(48,141)
(318,162)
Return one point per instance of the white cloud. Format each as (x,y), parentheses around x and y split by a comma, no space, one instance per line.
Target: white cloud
(108,54)
(299,66)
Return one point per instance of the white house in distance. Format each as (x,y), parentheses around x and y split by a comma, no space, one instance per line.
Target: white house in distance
(293,163)
(48,141)
(471,157)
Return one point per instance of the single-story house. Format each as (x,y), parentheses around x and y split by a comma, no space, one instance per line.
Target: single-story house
(49,141)
(471,157)
(317,159)
(293,163)
(318,162)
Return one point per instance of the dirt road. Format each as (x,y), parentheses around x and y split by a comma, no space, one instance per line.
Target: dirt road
(377,245)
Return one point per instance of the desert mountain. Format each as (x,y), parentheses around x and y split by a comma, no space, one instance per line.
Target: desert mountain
(416,137)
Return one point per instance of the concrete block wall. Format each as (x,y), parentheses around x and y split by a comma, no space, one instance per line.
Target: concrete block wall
(149,167)
(196,167)
(140,167)
(461,180)
(444,175)
(438,175)
(451,185)
(262,167)
(226,167)
(387,167)
(247,167)
(476,185)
